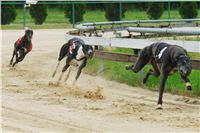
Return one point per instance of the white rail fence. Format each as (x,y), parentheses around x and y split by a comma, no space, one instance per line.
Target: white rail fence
(190,46)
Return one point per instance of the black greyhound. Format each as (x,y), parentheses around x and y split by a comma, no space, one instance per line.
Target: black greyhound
(74,49)
(21,47)
(165,59)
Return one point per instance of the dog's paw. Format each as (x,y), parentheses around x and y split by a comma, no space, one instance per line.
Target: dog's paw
(127,67)
(159,107)
(189,88)
(144,81)
(188,85)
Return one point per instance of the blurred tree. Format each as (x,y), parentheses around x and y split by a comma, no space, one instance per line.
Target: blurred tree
(80,10)
(112,11)
(39,13)
(155,10)
(8,14)
(98,6)
(141,6)
(188,10)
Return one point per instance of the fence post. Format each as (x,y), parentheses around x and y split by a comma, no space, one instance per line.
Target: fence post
(73,14)
(120,11)
(169,10)
(101,62)
(24,16)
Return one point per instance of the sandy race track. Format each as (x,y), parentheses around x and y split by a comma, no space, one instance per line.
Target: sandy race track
(30,104)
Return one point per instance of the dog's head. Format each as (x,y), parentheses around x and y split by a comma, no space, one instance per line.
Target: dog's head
(28,34)
(184,64)
(88,51)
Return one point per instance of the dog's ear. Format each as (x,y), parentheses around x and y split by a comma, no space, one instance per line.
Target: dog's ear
(31,32)
(175,59)
(180,57)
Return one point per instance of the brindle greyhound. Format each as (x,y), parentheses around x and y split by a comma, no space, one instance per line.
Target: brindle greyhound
(21,47)
(74,49)
(164,59)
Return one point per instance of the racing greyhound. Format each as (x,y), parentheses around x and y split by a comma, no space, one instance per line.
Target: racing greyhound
(76,51)
(165,59)
(22,47)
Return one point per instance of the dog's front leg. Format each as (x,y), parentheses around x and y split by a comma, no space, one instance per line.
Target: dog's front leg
(187,82)
(63,71)
(165,73)
(129,67)
(161,90)
(80,69)
(67,76)
(150,72)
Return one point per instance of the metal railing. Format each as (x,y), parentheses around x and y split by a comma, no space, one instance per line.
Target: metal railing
(138,22)
(176,31)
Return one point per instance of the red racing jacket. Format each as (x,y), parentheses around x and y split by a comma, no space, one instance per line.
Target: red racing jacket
(26,45)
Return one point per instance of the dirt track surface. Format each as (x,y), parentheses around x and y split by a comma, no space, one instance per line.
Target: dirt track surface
(30,104)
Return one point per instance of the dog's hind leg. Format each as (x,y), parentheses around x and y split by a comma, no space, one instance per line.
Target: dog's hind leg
(150,72)
(155,72)
(54,72)
(11,61)
(19,59)
(67,76)
(61,55)
(65,68)
(142,60)
(140,63)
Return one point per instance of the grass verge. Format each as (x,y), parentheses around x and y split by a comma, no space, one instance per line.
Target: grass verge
(116,71)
